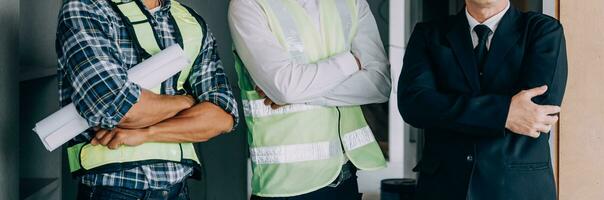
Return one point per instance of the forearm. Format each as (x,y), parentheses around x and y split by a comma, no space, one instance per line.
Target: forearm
(483,115)
(372,83)
(288,82)
(363,87)
(154,108)
(283,78)
(196,124)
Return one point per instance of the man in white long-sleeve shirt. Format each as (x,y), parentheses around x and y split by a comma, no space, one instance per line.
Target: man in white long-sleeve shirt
(285,69)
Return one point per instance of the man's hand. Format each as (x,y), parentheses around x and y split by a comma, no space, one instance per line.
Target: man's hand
(117,137)
(268,101)
(153,108)
(199,123)
(528,118)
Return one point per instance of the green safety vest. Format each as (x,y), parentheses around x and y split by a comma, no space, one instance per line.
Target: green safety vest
(86,158)
(299,148)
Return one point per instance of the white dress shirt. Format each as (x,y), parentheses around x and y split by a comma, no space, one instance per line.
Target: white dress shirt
(492,23)
(335,81)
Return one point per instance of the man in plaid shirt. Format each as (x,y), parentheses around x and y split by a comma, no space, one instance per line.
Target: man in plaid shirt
(95,51)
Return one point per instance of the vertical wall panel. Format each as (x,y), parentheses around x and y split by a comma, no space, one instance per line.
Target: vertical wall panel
(582,119)
(224,157)
(9,97)
(40,171)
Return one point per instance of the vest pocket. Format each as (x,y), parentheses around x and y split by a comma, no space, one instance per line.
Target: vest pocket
(528,167)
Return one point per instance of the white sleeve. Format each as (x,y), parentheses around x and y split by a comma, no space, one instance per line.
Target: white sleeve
(283,79)
(372,83)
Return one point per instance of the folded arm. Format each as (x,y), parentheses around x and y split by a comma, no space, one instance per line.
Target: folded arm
(89,58)
(546,63)
(215,114)
(422,105)
(153,108)
(199,123)
(372,83)
(282,78)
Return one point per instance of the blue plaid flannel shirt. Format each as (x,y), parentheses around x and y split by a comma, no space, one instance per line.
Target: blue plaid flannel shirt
(95,51)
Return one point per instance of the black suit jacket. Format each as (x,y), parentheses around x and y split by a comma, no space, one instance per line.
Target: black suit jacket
(468,152)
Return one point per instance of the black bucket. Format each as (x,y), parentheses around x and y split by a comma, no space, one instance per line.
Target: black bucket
(398,189)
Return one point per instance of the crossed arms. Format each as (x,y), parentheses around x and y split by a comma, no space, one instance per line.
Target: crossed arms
(165,118)
(93,75)
(334,81)
(530,112)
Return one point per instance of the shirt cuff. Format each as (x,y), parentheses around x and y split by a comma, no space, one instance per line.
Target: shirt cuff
(224,101)
(347,63)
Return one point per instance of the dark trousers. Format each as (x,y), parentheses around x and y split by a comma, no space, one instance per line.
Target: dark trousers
(347,190)
(175,192)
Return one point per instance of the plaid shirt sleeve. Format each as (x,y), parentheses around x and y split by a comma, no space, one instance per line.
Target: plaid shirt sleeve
(90,60)
(209,82)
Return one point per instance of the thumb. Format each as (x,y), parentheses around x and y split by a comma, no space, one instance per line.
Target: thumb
(536,91)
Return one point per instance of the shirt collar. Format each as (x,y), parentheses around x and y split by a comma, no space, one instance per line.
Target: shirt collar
(492,22)
(165,6)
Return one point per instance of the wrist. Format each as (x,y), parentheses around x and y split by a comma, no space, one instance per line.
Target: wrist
(347,63)
(149,134)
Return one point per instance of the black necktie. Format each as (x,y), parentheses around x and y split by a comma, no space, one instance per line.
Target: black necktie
(481,51)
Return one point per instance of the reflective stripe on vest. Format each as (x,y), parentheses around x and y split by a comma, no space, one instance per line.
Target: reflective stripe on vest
(288,143)
(256,108)
(84,156)
(90,157)
(312,151)
(295,152)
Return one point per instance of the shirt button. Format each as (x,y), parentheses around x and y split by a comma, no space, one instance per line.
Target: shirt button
(469,158)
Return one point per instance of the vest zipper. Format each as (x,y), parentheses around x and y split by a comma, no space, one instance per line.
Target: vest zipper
(340,130)
(341,176)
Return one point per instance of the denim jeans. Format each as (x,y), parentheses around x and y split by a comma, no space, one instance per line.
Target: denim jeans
(175,192)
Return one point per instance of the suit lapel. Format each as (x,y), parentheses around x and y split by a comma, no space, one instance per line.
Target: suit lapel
(461,43)
(507,34)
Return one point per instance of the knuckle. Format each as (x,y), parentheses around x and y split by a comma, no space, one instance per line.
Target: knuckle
(539,118)
(536,109)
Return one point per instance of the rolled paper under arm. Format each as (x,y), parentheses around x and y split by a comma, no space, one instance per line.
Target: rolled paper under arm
(65,124)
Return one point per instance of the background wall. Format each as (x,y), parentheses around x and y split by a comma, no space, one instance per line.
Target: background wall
(9,163)
(40,171)
(581,172)
(224,157)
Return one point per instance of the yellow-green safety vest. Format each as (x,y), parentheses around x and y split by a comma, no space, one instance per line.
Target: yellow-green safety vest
(299,148)
(86,158)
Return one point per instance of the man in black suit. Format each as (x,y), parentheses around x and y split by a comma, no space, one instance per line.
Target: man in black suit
(486,86)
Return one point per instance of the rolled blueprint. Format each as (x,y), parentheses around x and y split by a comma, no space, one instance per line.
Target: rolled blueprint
(65,124)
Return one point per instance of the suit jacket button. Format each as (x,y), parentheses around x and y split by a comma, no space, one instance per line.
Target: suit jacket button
(469,158)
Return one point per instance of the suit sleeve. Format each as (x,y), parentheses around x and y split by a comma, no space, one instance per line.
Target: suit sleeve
(423,105)
(545,62)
